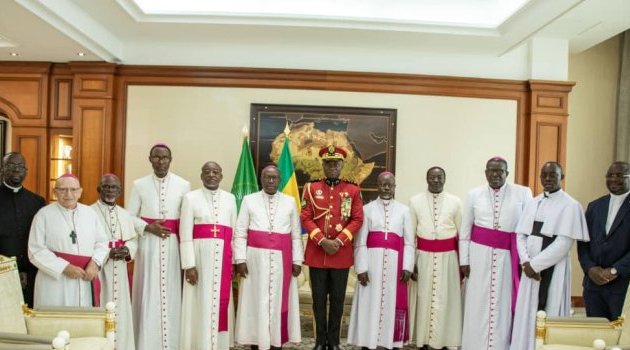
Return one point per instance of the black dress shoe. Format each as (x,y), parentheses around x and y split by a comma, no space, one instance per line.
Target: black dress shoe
(319,347)
(276,348)
(254,347)
(334,347)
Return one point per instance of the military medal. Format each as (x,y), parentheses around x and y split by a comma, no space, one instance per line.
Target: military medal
(338,227)
(346,205)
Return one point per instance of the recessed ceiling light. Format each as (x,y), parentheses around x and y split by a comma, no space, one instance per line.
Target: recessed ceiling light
(14,54)
(81,54)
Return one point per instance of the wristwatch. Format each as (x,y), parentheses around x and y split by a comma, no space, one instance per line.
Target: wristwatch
(613,271)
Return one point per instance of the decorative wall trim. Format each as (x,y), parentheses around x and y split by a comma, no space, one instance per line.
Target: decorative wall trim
(538,102)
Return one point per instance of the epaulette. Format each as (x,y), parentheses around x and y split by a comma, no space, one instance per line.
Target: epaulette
(315,180)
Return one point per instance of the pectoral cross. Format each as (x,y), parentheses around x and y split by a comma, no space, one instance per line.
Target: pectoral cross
(215,230)
(73,235)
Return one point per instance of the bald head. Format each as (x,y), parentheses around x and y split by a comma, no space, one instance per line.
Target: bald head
(13,169)
(386,185)
(109,189)
(618,178)
(551,176)
(270,179)
(211,175)
(68,191)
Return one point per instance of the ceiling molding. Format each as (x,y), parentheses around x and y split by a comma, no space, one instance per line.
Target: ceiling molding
(66,17)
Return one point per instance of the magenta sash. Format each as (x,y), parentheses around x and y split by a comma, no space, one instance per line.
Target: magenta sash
(283,243)
(82,262)
(377,239)
(206,231)
(437,245)
(500,240)
(171,224)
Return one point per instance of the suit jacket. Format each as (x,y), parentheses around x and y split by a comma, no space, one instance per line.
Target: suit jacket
(612,250)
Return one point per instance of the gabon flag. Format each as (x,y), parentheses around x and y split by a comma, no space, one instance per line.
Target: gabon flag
(288,185)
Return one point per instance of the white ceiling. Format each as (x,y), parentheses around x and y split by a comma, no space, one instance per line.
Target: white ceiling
(316,34)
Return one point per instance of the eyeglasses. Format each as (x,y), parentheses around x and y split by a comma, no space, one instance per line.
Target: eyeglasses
(67,189)
(617,176)
(14,167)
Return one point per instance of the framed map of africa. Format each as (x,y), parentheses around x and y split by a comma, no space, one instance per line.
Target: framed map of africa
(367,134)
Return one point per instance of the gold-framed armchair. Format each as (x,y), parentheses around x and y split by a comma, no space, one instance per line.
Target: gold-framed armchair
(583,333)
(52,327)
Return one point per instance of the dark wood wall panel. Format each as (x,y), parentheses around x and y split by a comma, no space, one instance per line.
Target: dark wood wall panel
(61,102)
(89,138)
(33,144)
(548,126)
(91,98)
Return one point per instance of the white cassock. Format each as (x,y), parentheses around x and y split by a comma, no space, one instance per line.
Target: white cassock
(157,289)
(488,291)
(118,225)
(436,299)
(50,233)
(562,217)
(203,312)
(373,319)
(259,319)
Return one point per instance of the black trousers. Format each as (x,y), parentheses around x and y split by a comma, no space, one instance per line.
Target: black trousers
(328,285)
(604,303)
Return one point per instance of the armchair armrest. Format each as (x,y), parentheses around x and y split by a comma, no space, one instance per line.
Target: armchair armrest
(16,341)
(576,331)
(79,322)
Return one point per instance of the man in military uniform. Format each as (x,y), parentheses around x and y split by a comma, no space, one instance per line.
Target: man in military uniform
(332,213)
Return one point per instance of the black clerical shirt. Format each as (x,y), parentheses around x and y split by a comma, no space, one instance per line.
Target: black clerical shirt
(16,214)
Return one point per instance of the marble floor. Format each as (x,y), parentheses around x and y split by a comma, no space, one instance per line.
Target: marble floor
(307,344)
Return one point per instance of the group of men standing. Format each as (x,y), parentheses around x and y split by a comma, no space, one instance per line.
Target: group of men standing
(508,253)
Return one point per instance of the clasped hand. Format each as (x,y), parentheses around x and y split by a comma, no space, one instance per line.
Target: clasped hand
(330,246)
(600,275)
(75,272)
(120,253)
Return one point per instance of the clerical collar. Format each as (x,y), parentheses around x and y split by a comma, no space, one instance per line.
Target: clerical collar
(551,193)
(14,189)
(385,202)
(107,204)
(161,178)
(332,182)
(498,189)
(212,192)
(615,197)
(66,209)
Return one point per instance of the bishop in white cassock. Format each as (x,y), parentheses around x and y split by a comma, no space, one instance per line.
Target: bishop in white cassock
(206,228)
(383,261)
(268,254)
(68,245)
(546,231)
(156,291)
(436,299)
(122,245)
(489,258)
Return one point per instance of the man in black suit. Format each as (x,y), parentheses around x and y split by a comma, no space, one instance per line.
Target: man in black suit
(606,258)
(17,208)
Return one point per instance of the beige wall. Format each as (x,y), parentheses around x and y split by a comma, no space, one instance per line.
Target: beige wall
(591,130)
(204,123)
